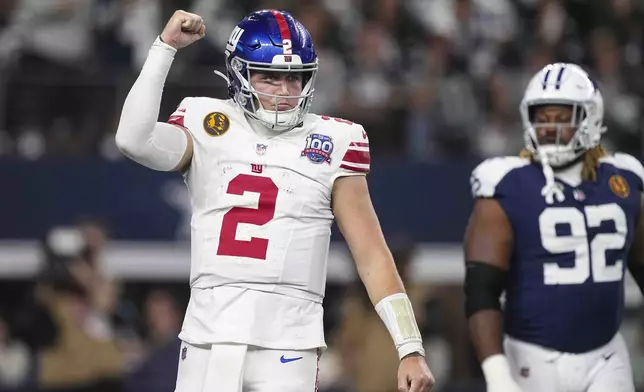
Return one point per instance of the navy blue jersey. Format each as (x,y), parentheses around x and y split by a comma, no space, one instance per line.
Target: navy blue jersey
(566,278)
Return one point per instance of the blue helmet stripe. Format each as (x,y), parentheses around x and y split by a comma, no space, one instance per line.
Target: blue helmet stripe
(559,76)
(545,78)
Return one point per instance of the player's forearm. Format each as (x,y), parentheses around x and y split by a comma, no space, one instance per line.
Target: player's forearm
(380,277)
(158,146)
(387,293)
(486,332)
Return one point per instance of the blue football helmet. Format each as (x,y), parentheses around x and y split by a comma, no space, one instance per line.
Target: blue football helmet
(270,40)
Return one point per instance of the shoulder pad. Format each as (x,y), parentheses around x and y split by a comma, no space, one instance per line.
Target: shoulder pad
(177,117)
(197,105)
(628,162)
(337,124)
(351,139)
(489,173)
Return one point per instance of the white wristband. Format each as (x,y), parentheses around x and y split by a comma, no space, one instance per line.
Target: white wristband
(397,314)
(496,368)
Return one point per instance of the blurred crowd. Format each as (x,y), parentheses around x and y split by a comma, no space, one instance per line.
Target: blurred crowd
(75,329)
(428,79)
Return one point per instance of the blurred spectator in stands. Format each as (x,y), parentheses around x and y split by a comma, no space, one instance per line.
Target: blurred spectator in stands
(105,297)
(79,352)
(623,115)
(15,360)
(6,7)
(374,92)
(51,104)
(332,75)
(157,373)
(368,357)
(162,318)
(10,41)
(424,125)
(96,237)
(501,133)
(376,56)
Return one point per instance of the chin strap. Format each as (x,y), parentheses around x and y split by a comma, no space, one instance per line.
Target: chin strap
(222,75)
(551,190)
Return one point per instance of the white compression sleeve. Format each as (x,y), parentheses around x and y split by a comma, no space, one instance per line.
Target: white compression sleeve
(159,146)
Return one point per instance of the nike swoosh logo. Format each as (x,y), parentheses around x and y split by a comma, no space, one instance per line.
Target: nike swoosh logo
(287,360)
(607,356)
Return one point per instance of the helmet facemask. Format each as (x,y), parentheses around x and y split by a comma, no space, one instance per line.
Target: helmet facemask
(557,152)
(248,98)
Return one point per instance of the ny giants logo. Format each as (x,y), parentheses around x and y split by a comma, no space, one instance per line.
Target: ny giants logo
(256,168)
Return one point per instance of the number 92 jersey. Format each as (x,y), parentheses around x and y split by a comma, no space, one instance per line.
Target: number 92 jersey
(565,288)
(261,200)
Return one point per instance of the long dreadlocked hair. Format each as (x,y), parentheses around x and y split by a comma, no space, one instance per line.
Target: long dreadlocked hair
(591,161)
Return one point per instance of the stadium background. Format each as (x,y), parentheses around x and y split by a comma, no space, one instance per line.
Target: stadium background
(436,83)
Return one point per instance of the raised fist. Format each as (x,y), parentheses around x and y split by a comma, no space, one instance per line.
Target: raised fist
(182,29)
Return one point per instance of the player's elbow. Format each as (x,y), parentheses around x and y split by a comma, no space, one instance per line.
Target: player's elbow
(122,142)
(125,143)
(484,284)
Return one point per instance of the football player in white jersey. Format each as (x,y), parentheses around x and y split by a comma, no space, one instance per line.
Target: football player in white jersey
(266,180)
(555,228)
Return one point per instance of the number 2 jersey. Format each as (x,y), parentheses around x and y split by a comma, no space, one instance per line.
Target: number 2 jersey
(261,223)
(565,288)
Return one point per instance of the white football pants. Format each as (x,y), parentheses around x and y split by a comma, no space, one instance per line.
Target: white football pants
(242,368)
(537,369)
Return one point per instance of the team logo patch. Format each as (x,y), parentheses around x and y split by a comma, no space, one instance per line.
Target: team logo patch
(318,148)
(184,352)
(216,123)
(619,186)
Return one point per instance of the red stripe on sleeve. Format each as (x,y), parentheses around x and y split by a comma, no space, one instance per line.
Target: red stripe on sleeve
(355,156)
(176,119)
(355,169)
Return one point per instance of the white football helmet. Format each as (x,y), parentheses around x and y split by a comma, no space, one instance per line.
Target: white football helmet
(563,84)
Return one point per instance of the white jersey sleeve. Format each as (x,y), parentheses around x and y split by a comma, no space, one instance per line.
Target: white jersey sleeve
(488,175)
(352,156)
(630,163)
(357,158)
(178,116)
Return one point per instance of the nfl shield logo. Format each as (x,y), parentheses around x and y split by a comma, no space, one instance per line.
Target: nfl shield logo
(579,195)
(260,148)
(184,352)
